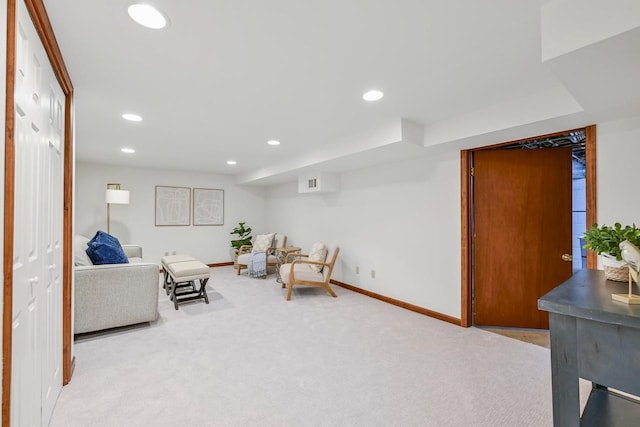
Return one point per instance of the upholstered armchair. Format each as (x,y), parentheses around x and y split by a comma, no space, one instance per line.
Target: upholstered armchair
(313,269)
(279,241)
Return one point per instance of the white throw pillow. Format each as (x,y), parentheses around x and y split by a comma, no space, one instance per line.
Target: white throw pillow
(263,242)
(80,256)
(317,253)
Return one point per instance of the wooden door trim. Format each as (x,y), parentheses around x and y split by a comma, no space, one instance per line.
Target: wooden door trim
(466,318)
(591,188)
(466,291)
(9,189)
(44,29)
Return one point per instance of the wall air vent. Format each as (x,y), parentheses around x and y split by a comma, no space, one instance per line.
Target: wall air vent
(318,183)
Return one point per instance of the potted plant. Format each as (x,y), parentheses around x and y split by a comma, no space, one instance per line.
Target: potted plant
(244,238)
(605,241)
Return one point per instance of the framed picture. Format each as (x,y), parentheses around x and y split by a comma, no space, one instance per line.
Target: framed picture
(173,205)
(208,206)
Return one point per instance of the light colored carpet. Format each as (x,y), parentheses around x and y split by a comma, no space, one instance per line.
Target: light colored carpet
(250,358)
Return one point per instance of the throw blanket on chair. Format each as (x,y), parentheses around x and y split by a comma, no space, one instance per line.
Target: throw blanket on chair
(257,265)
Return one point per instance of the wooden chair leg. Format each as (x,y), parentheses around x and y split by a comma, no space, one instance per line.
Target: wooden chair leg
(238,269)
(289,289)
(328,288)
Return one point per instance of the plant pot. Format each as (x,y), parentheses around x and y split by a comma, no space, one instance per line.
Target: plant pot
(613,269)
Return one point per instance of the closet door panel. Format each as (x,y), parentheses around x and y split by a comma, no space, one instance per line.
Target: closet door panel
(37,263)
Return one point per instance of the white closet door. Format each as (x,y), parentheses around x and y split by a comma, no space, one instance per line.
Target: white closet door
(51,305)
(52,290)
(37,293)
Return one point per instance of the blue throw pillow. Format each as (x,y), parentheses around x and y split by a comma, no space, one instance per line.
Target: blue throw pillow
(105,249)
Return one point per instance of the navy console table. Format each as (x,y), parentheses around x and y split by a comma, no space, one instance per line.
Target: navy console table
(598,339)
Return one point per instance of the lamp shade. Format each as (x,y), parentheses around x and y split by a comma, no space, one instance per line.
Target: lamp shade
(117,197)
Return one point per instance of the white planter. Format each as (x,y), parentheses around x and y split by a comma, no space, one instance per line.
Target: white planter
(611,261)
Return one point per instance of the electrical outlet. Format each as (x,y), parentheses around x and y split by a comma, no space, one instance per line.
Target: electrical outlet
(357,270)
(166,253)
(173,253)
(373,274)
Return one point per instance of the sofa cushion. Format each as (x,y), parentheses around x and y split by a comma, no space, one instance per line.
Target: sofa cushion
(317,253)
(80,256)
(105,249)
(263,242)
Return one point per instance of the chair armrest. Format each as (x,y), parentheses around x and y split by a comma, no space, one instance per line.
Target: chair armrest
(245,249)
(132,251)
(294,255)
(306,261)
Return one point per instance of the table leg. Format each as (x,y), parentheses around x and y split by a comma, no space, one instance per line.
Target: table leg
(280,256)
(564,370)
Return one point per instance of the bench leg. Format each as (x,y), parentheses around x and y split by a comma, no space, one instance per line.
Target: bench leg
(203,291)
(166,284)
(173,296)
(190,295)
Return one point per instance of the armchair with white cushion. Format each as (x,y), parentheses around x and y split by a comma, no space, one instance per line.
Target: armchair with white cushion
(277,241)
(313,269)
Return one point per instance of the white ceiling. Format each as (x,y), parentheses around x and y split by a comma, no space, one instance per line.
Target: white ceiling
(226,76)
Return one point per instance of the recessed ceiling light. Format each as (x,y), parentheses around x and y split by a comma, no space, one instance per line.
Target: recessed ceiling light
(273,142)
(132,117)
(231,162)
(372,95)
(128,150)
(147,16)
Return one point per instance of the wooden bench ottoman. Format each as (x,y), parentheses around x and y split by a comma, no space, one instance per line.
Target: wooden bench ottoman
(170,259)
(182,281)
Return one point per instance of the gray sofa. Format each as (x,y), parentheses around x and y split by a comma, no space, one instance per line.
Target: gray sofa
(112,295)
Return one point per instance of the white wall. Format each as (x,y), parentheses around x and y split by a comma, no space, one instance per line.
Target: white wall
(618,171)
(400,219)
(135,223)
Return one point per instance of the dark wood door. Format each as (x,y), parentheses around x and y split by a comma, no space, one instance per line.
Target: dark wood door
(522,228)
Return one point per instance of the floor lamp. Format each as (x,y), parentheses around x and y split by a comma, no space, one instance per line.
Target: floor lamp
(114,195)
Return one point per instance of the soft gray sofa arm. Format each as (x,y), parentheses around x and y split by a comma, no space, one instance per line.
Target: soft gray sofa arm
(112,295)
(132,251)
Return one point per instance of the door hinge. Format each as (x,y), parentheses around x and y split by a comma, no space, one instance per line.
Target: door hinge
(472,171)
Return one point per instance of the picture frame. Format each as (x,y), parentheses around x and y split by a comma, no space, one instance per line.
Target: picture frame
(173,206)
(208,206)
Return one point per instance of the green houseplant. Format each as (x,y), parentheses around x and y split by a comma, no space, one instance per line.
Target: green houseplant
(244,236)
(605,241)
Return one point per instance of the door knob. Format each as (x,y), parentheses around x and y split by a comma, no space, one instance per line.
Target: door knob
(567,257)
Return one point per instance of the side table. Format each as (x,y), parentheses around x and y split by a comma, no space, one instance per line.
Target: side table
(281,256)
(598,339)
